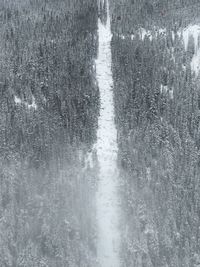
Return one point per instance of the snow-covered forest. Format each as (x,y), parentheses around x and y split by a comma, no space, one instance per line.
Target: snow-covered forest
(99,133)
(155,54)
(49,107)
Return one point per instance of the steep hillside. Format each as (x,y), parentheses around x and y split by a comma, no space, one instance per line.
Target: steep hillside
(157,105)
(49,108)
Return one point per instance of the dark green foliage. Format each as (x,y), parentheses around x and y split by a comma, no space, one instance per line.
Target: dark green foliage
(49,108)
(169,13)
(157,116)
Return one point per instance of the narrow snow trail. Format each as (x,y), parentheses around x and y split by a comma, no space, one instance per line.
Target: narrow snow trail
(106,147)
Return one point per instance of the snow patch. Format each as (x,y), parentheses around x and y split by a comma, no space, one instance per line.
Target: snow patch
(33,105)
(143,32)
(160,31)
(173,36)
(163,88)
(19,101)
(195,63)
(191,30)
(171,94)
(194,31)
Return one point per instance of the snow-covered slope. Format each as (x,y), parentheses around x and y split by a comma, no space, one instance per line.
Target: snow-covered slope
(106,147)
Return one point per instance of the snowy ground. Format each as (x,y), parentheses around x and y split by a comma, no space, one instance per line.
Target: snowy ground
(106,148)
(193,30)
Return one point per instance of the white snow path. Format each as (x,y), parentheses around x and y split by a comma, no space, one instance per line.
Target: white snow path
(106,148)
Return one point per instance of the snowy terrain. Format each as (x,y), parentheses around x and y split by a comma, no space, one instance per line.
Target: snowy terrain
(194,31)
(106,147)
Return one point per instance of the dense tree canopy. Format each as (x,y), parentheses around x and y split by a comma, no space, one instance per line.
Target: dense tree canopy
(157,115)
(49,108)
